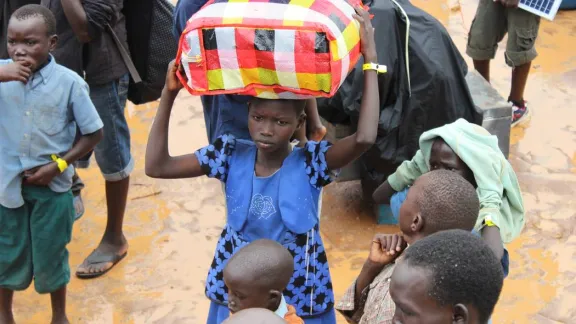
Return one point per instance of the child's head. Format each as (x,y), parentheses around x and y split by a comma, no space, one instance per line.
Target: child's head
(31,35)
(272,122)
(257,274)
(442,157)
(438,200)
(255,316)
(448,277)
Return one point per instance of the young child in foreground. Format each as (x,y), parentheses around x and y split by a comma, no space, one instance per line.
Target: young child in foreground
(41,103)
(273,190)
(439,200)
(470,151)
(255,316)
(257,275)
(448,277)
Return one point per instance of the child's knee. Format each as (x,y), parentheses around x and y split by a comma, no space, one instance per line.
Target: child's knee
(522,33)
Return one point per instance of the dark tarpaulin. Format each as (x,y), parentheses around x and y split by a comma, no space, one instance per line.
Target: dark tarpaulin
(437,93)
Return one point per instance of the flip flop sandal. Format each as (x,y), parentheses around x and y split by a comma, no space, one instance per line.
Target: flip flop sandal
(98,257)
(78,207)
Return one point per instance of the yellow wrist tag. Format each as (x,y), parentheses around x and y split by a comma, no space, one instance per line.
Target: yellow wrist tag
(488,223)
(62,165)
(376,67)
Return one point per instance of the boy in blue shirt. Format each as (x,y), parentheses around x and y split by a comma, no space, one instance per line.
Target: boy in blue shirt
(41,104)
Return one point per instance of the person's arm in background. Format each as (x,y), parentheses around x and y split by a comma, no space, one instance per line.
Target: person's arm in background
(404,176)
(89,18)
(183,11)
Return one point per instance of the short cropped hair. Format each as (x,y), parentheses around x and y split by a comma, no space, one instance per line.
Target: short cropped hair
(461,269)
(266,260)
(447,201)
(33,11)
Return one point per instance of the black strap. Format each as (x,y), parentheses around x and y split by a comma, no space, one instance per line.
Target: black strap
(126,57)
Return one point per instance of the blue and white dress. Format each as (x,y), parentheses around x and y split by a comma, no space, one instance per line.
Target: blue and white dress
(283,207)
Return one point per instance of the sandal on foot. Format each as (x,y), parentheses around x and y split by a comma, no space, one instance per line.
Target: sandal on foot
(97,257)
(78,207)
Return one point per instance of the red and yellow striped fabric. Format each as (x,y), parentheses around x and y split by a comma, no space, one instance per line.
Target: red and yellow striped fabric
(289,49)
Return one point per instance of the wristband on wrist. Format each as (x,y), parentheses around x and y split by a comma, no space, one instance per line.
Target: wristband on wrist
(375,67)
(62,164)
(488,222)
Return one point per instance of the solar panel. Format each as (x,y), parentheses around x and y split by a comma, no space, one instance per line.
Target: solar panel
(543,8)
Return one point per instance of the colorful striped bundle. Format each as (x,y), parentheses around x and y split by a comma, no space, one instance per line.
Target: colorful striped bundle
(270,48)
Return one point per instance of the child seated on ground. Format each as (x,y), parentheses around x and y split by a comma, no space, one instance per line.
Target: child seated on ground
(273,190)
(257,275)
(439,200)
(255,316)
(448,277)
(470,151)
(41,103)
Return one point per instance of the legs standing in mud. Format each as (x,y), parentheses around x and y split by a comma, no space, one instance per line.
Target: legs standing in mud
(483,67)
(116,164)
(6,316)
(492,21)
(58,299)
(519,80)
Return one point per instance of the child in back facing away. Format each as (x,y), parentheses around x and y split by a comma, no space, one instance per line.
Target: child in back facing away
(273,190)
(41,103)
(257,275)
(470,151)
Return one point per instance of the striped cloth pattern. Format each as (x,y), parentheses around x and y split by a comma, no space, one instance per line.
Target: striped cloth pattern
(273,49)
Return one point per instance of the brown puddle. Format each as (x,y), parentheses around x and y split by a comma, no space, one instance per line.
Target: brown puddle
(172,226)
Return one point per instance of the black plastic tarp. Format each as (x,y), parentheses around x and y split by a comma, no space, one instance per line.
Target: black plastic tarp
(435,94)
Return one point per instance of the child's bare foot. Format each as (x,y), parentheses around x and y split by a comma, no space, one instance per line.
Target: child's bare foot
(317,133)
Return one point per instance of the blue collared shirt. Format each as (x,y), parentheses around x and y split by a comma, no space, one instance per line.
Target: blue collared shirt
(38,119)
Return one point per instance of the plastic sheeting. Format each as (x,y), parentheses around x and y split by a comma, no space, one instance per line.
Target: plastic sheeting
(270,49)
(424,88)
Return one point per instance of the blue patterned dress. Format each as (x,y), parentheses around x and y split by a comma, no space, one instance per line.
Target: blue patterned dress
(310,289)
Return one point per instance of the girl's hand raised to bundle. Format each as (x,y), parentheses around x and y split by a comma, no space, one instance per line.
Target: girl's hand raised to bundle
(352,147)
(173,84)
(367,43)
(159,163)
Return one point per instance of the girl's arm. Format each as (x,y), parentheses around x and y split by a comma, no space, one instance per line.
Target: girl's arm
(352,147)
(159,163)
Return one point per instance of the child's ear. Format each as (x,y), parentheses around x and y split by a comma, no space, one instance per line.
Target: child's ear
(275,297)
(53,40)
(417,223)
(460,314)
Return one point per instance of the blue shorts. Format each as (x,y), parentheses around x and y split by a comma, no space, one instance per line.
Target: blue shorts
(399,198)
(113,152)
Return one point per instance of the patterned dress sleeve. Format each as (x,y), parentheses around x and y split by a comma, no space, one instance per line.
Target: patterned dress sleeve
(316,166)
(215,158)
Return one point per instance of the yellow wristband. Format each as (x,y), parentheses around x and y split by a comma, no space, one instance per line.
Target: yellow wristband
(376,67)
(488,223)
(62,165)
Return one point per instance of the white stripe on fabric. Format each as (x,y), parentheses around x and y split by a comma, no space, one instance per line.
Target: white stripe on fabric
(194,42)
(225,38)
(345,61)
